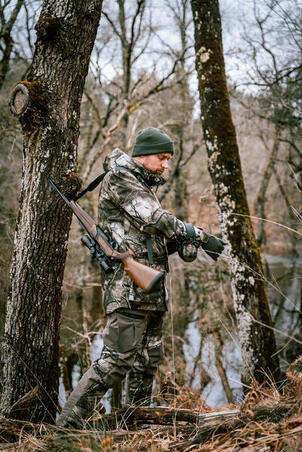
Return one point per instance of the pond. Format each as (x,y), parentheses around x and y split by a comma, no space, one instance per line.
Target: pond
(283,277)
(284,292)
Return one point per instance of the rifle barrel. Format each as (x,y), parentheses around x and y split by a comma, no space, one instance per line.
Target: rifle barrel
(53,185)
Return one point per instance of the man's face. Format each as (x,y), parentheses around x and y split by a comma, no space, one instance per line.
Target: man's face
(157,163)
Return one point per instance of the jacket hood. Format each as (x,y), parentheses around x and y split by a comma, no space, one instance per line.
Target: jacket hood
(119,158)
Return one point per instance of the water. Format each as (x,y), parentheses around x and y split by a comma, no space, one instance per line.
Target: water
(284,292)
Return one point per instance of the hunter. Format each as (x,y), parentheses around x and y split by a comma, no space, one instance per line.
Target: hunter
(131,215)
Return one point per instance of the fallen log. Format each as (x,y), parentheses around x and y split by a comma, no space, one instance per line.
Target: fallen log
(204,432)
(129,415)
(129,421)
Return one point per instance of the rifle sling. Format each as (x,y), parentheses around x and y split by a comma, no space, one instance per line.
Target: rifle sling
(95,183)
(149,249)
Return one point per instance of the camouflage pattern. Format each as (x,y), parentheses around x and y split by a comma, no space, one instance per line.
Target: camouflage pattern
(141,375)
(129,212)
(132,341)
(83,400)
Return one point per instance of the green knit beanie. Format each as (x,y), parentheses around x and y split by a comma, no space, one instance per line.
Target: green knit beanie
(152,141)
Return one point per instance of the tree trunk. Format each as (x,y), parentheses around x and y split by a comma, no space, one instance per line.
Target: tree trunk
(219,366)
(261,196)
(48,106)
(257,342)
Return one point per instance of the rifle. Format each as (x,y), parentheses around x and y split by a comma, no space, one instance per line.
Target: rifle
(145,277)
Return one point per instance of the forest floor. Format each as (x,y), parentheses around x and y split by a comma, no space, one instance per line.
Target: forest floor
(267,420)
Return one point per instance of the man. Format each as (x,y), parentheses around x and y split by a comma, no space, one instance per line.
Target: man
(131,215)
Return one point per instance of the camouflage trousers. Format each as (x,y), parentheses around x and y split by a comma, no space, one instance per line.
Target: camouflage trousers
(132,343)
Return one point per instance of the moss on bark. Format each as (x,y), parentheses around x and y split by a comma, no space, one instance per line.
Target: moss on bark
(50,124)
(251,304)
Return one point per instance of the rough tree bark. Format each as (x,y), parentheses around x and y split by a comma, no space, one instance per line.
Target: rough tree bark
(48,107)
(257,343)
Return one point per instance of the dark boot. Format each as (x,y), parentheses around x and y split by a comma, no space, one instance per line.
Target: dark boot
(139,388)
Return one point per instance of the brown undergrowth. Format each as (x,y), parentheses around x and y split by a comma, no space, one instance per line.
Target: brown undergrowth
(267,420)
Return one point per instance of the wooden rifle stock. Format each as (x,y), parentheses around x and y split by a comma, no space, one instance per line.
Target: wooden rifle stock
(145,277)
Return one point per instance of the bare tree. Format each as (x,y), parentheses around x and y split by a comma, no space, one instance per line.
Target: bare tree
(254,322)
(7,20)
(48,107)
(273,45)
(132,88)
(266,178)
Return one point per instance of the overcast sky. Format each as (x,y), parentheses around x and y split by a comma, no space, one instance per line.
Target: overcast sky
(237,19)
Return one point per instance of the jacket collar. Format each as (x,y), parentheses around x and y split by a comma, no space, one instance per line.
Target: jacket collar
(119,158)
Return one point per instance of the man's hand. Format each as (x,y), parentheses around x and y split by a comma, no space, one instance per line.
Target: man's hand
(212,245)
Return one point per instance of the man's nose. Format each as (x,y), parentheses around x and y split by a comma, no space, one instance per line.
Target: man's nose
(165,165)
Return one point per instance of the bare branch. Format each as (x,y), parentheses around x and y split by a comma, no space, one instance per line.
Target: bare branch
(293,145)
(116,31)
(196,148)
(10,23)
(138,13)
(108,135)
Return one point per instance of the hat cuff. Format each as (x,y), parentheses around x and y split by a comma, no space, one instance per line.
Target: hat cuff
(161,148)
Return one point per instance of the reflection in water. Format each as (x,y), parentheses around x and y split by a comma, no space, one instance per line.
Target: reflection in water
(213,393)
(284,292)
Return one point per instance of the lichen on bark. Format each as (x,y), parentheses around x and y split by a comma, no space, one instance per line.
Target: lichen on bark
(50,128)
(250,301)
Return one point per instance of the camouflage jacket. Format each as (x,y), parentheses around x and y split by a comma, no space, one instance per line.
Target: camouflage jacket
(129,213)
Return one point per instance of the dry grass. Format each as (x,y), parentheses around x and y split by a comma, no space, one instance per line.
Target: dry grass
(269,421)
